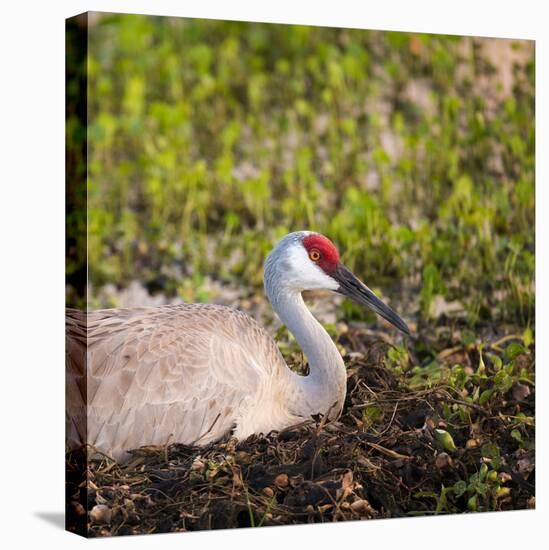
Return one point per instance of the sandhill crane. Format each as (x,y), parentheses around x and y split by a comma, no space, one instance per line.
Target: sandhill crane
(191,373)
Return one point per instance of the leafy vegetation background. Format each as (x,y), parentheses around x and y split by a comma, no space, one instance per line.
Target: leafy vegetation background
(209,140)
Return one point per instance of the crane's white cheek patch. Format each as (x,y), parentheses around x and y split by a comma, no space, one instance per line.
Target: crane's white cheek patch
(306,275)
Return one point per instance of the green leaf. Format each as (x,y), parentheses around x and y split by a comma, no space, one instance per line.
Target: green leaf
(515,434)
(528,337)
(481,366)
(492,476)
(445,440)
(485,396)
(514,349)
(472,503)
(459,488)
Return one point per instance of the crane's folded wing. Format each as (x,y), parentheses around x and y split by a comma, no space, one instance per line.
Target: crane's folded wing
(171,374)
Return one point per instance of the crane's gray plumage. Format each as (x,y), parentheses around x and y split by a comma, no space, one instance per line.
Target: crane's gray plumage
(191,373)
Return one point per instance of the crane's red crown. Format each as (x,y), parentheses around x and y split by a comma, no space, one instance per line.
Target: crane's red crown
(322,252)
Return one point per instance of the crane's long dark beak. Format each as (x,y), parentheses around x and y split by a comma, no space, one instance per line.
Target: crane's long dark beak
(351,286)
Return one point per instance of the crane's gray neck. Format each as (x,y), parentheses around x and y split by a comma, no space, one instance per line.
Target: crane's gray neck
(323,390)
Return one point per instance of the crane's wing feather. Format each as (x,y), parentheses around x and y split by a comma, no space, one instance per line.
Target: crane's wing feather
(169,374)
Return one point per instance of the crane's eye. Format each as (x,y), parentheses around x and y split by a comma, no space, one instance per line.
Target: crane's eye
(314,254)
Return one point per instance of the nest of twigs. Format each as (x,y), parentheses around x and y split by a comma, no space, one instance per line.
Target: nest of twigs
(316,472)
